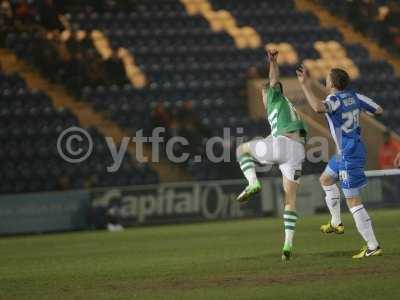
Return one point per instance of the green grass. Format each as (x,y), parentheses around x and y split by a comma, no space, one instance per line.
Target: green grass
(224,260)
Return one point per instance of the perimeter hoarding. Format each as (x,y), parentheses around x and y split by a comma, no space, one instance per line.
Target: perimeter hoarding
(170,203)
(44,212)
(174,203)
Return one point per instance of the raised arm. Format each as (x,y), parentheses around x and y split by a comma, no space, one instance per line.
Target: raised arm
(308,85)
(273,67)
(318,88)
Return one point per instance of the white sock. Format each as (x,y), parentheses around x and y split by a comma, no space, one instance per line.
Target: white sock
(332,200)
(248,168)
(364,225)
(289,219)
(251,176)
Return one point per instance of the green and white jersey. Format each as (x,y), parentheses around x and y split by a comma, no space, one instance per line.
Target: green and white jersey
(282,115)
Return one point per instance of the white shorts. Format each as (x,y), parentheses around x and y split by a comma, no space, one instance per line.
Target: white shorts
(287,153)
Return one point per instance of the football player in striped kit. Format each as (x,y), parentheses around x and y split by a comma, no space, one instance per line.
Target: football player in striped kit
(285,147)
(342,109)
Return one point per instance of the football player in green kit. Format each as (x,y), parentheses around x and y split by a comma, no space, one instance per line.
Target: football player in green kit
(285,147)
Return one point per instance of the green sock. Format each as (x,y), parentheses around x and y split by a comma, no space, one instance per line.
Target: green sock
(248,167)
(289,218)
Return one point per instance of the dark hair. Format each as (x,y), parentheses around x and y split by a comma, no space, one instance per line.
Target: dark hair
(279,86)
(340,78)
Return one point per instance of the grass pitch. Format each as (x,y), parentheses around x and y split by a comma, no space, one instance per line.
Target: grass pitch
(224,260)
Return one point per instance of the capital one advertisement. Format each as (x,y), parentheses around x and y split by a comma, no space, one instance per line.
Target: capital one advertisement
(173,203)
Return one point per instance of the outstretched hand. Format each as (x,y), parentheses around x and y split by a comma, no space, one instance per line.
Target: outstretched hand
(302,74)
(272,54)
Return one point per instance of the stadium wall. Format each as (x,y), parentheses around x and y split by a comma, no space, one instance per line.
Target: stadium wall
(172,204)
(44,212)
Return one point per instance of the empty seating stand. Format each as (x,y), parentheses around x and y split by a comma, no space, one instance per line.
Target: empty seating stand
(29,129)
(185,60)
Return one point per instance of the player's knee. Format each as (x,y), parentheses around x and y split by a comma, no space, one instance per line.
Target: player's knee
(326,180)
(242,149)
(353,201)
(289,200)
(290,189)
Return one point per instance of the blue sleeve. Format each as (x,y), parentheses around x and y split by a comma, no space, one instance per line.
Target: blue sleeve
(331,104)
(367,104)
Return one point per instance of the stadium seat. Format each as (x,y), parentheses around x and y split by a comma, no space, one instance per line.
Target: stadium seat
(184,58)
